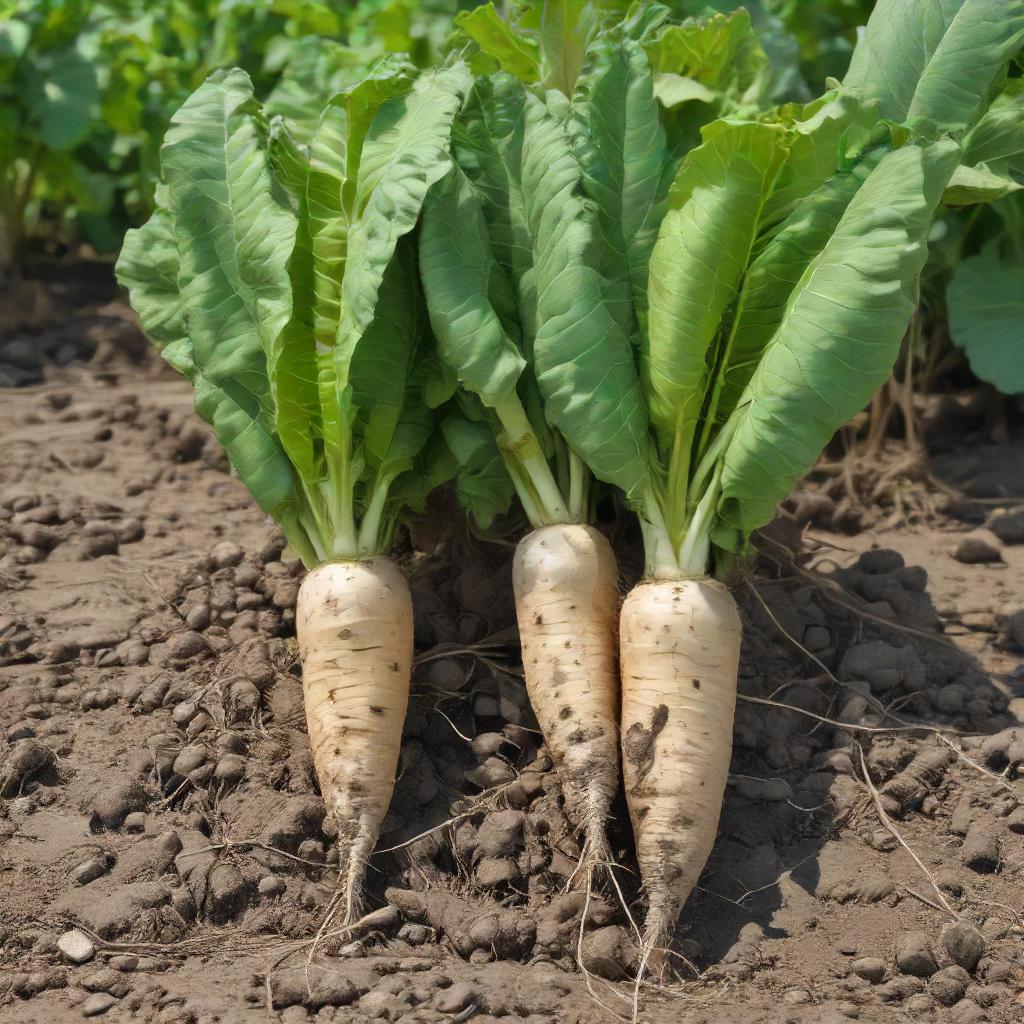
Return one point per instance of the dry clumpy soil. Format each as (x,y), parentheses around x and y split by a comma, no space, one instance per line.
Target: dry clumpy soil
(161,833)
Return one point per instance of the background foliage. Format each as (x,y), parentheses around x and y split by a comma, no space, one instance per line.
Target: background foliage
(87,90)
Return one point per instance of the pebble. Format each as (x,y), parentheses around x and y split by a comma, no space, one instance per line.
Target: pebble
(967,1012)
(135,822)
(96,1004)
(190,758)
(497,871)
(113,804)
(198,616)
(37,535)
(285,594)
(493,772)
(189,645)
(227,892)
(270,886)
(980,851)
(133,652)
(184,712)
(920,1003)
(870,968)
(131,531)
(770,790)
(415,934)
(230,769)
(914,955)
(198,725)
(978,547)
(226,554)
(1008,527)
(96,547)
(106,979)
(964,944)
(90,870)
(455,998)
(949,985)
(76,946)
(899,989)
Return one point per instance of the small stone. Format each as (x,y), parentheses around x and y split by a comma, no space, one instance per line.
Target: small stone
(949,985)
(106,980)
(189,645)
(964,944)
(131,531)
(227,892)
(914,955)
(61,651)
(97,546)
(90,870)
(898,989)
(198,725)
(870,968)
(497,871)
(980,851)
(126,962)
(96,1004)
(493,772)
(190,758)
(920,1003)
(226,554)
(978,547)
(135,822)
(415,934)
(198,616)
(271,886)
(133,652)
(487,743)
(1008,527)
(455,998)
(285,594)
(1016,821)
(76,946)
(501,834)
(796,997)
(184,712)
(967,1012)
(112,804)
(230,769)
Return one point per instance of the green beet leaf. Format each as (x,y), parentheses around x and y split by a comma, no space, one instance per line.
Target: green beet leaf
(838,336)
(935,59)
(986,311)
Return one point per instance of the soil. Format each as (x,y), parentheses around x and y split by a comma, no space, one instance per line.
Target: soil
(157,799)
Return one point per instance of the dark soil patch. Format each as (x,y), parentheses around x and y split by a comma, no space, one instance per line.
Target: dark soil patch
(158,790)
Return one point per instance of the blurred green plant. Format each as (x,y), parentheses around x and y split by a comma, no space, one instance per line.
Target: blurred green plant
(976,272)
(87,90)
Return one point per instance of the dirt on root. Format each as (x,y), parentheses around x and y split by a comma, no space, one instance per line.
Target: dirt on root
(157,794)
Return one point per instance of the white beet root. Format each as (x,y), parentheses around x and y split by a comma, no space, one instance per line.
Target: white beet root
(355,631)
(679,650)
(566,588)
